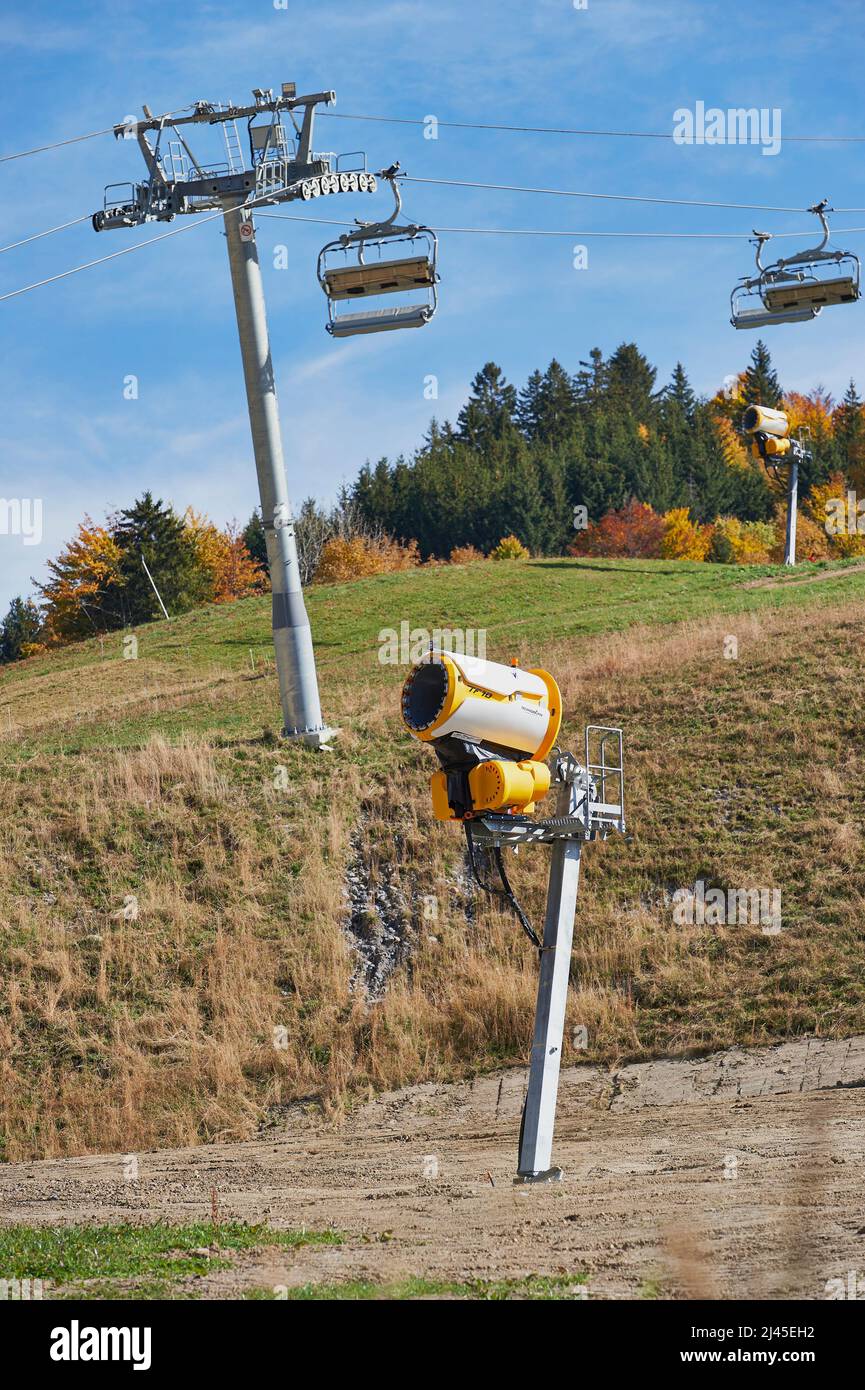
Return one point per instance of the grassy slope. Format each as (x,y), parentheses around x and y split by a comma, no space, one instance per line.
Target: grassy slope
(155,778)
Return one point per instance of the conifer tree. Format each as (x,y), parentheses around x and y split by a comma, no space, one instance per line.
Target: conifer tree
(490,409)
(151,531)
(761,385)
(849,425)
(20,630)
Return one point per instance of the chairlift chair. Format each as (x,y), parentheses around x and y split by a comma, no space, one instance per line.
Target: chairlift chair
(748,310)
(814,277)
(796,288)
(367,280)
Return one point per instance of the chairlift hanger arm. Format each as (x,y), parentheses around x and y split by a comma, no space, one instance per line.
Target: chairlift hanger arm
(815,253)
(367,231)
(760,240)
(395,274)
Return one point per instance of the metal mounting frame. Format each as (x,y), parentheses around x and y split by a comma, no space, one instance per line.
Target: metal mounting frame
(178,184)
(590,805)
(589,816)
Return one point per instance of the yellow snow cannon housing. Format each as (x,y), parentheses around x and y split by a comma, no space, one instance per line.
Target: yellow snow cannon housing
(491,727)
(770,429)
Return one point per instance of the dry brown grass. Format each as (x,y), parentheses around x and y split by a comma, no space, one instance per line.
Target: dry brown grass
(122,1032)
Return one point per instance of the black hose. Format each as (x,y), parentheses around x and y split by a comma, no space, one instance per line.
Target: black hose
(505,891)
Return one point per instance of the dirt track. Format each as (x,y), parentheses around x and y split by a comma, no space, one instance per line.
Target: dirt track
(645,1204)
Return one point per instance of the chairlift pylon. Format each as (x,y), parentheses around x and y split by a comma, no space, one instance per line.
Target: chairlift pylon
(795,289)
(365,279)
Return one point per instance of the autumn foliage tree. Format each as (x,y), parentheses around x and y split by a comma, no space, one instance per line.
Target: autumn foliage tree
(357,557)
(635,531)
(829,509)
(239,575)
(231,572)
(81,596)
(684,539)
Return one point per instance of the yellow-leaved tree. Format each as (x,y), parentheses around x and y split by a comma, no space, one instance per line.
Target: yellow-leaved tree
(223,557)
(81,596)
(684,539)
(748,542)
(829,510)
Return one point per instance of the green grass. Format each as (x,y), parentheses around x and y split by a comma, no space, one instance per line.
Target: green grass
(534,1288)
(135,1261)
(523,606)
(160,1261)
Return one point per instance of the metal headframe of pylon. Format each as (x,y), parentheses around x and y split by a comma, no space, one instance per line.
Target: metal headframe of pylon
(282,167)
(590,805)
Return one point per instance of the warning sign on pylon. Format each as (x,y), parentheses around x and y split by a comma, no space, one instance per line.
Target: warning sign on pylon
(247,231)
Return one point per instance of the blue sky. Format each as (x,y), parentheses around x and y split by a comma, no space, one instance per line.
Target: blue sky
(165,314)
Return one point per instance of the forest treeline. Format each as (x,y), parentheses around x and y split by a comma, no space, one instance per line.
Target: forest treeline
(521,462)
(602,461)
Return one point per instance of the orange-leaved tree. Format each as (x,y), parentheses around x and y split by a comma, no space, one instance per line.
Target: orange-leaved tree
(356,557)
(634,530)
(813,414)
(81,596)
(224,558)
(239,575)
(812,542)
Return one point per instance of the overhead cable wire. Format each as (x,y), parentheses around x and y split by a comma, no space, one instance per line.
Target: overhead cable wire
(344,222)
(463,125)
(76,139)
(48,232)
(541,232)
(612,197)
(569,130)
(58,144)
(124,251)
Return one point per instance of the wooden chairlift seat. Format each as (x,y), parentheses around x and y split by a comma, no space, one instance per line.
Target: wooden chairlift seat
(811,293)
(382,277)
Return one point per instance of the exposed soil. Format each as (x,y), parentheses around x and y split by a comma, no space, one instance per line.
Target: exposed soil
(734,1175)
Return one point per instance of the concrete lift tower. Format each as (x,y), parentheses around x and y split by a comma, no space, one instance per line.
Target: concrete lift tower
(282,167)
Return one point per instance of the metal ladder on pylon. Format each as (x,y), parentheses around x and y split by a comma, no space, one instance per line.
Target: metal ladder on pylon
(233,147)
